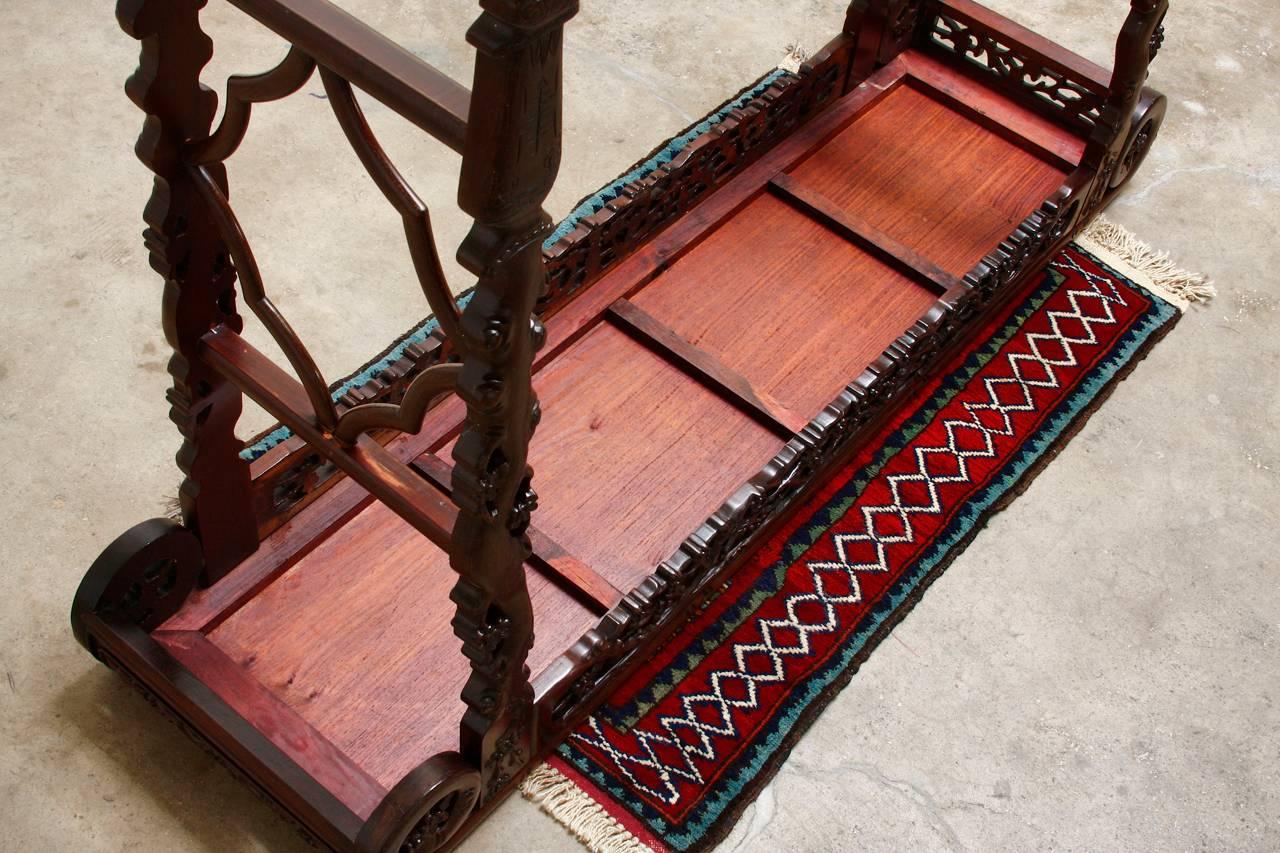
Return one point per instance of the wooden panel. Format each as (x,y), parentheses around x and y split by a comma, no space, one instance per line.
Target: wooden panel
(857,230)
(949,188)
(356,639)
(790,304)
(705,367)
(632,454)
(291,734)
(1029,130)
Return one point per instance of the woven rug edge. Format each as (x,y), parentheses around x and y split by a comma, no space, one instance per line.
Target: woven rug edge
(583,816)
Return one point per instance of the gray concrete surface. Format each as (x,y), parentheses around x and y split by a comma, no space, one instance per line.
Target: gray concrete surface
(1099,671)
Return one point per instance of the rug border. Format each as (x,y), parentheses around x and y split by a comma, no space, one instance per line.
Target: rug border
(1094,243)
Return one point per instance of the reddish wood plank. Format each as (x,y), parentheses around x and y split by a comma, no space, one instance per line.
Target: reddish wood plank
(809,309)
(356,638)
(290,733)
(858,230)
(632,454)
(706,367)
(206,609)
(949,190)
(548,555)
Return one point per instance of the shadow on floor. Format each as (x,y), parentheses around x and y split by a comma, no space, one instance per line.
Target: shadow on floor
(219,813)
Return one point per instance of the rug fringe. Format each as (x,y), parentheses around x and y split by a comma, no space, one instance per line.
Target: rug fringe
(793,58)
(1158,272)
(571,807)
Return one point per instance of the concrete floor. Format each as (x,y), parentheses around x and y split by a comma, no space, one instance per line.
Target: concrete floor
(1099,671)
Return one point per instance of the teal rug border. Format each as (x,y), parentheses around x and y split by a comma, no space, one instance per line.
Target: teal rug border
(750,766)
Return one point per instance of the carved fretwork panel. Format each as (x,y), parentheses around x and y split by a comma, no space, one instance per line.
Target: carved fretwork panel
(1026,76)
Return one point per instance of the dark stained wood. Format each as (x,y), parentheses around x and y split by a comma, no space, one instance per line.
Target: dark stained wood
(371,61)
(511,160)
(986,49)
(881,32)
(705,366)
(548,555)
(950,190)
(199,285)
(243,91)
(1085,71)
(856,229)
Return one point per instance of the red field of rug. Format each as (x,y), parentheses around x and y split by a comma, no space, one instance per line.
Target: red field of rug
(684,745)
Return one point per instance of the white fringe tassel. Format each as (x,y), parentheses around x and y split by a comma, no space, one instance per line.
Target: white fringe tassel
(794,58)
(569,805)
(1153,270)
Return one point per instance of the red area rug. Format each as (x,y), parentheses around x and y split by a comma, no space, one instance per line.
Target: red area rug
(677,752)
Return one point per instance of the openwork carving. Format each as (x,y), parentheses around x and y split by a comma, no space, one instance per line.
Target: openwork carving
(662,599)
(418,394)
(141,578)
(425,809)
(1030,78)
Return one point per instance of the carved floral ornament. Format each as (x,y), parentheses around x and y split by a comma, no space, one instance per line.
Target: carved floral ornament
(1050,86)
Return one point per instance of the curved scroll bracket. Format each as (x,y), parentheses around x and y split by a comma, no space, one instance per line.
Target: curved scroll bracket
(417,220)
(304,365)
(245,90)
(409,414)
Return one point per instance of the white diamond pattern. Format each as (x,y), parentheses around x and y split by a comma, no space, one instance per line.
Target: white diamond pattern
(671,752)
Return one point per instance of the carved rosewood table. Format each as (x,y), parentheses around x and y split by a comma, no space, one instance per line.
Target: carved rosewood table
(694,356)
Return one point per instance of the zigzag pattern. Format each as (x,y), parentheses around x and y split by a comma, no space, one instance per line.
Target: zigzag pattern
(669,752)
